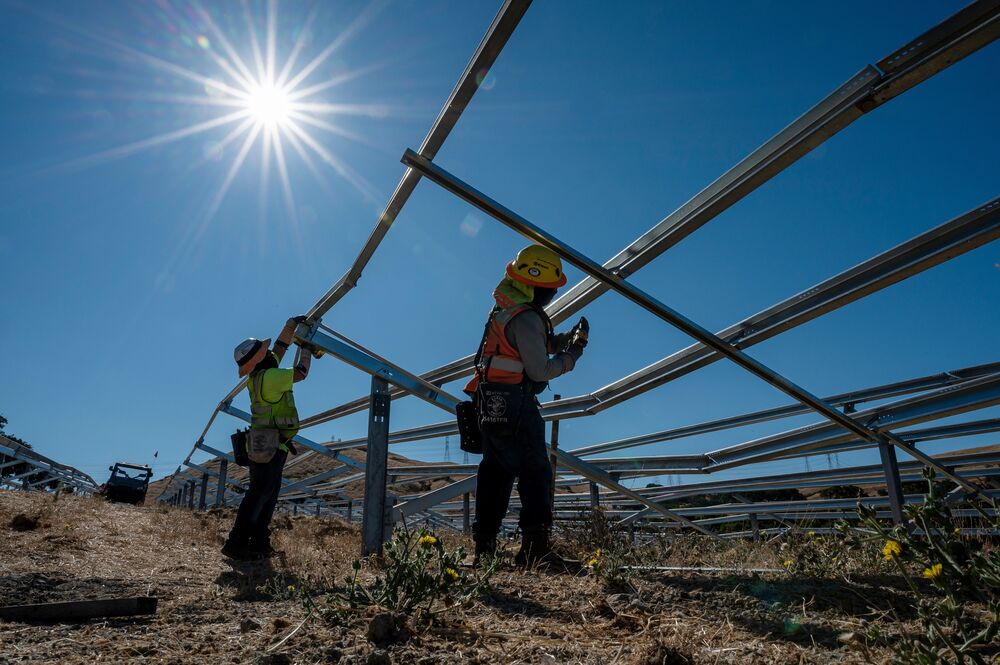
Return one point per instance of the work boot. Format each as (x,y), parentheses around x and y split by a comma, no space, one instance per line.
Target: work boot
(536,550)
(237,551)
(486,548)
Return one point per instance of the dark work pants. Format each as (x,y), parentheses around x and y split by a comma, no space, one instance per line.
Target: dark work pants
(524,457)
(257,507)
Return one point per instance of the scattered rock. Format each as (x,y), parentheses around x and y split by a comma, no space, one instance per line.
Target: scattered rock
(22,522)
(378,657)
(387,627)
(278,624)
(381,628)
(247,625)
(618,601)
(850,639)
(274,659)
(639,606)
(332,654)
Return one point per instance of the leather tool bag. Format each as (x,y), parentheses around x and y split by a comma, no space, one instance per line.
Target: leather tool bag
(499,406)
(470,439)
(262,444)
(239,440)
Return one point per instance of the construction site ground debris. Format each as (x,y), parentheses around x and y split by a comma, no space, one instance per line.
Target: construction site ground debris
(213,610)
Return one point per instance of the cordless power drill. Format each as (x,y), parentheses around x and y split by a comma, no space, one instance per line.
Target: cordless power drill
(580,333)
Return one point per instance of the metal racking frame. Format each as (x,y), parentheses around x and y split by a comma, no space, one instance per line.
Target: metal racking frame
(844,427)
(23,468)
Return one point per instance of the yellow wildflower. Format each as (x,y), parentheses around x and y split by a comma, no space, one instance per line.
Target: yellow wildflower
(811,534)
(598,555)
(427,540)
(933,572)
(452,574)
(592,563)
(67,526)
(891,550)
(788,563)
(291,587)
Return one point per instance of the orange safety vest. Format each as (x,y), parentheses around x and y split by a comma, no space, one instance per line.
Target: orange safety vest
(498,360)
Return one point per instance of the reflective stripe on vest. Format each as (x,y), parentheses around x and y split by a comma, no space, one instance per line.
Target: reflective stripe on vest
(501,360)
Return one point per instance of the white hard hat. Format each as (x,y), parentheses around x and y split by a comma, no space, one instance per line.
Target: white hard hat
(249,352)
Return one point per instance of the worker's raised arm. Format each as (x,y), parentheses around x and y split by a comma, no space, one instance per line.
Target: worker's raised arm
(303,358)
(286,335)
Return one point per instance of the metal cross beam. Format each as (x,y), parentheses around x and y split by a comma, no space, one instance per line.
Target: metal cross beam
(659,309)
(953,39)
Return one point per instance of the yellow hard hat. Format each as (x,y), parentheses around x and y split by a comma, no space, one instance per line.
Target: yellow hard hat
(537,266)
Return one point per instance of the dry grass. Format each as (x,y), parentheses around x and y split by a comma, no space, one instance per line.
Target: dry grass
(214,611)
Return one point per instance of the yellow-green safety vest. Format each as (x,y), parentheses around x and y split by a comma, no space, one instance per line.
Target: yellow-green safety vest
(281,415)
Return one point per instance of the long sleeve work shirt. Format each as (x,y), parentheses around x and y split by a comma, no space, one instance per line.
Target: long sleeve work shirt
(526,332)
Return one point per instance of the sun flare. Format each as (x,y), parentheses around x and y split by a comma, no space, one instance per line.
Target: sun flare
(269,105)
(270,100)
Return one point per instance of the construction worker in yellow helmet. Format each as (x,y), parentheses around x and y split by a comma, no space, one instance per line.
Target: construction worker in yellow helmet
(518,356)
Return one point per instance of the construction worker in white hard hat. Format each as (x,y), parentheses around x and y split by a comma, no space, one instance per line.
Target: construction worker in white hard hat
(518,356)
(273,414)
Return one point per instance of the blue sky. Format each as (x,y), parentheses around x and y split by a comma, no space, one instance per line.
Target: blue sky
(124,296)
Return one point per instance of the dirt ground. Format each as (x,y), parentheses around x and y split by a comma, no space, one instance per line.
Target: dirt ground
(212,610)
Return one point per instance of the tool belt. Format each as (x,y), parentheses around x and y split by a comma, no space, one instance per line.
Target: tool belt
(262,444)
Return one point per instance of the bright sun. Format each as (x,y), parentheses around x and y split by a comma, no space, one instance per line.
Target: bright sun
(269,105)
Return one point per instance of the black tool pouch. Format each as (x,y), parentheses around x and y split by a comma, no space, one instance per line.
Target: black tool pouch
(499,407)
(470,438)
(239,439)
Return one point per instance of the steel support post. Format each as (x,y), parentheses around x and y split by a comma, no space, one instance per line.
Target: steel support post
(466,510)
(350,510)
(373,525)
(554,458)
(220,492)
(190,485)
(318,504)
(616,282)
(202,505)
(595,496)
(755,527)
(892,483)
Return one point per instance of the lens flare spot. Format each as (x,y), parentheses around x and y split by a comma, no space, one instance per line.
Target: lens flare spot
(203,42)
(471,226)
(212,151)
(485,80)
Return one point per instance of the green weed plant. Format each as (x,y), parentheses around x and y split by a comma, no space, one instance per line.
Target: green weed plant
(955,579)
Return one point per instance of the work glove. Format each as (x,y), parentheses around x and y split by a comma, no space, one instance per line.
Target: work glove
(575,350)
(580,334)
(559,341)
